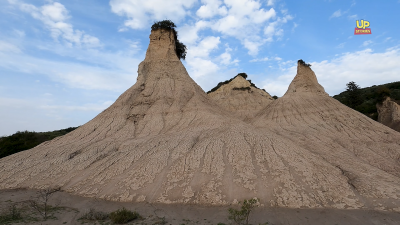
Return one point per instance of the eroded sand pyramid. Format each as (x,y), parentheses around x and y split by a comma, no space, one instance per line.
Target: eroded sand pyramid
(164,140)
(241,98)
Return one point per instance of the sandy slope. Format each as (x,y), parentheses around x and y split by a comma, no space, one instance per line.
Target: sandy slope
(165,141)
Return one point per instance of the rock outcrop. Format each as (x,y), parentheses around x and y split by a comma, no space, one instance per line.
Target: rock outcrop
(241,98)
(389,114)
(164,140)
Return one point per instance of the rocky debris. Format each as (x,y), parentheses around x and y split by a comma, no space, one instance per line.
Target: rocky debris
(389,114)
(164,140)
(240,97)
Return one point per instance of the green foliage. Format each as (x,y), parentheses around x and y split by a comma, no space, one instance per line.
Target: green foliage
(244,75)
(11,214)
(382,93)
(354,93)
(164,24)
(94,215)
(303,63)
(23,140)
(275,97)
(242,216)
(123,215)
(180,48)
(364,100)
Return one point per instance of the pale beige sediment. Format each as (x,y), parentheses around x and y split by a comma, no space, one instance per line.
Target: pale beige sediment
(240,98)
(164,140)
(389,113)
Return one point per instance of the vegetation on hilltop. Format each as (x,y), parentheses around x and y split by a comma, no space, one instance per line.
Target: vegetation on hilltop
(23,140)
(364,100)
(180,48)
(303,63)
(244,75)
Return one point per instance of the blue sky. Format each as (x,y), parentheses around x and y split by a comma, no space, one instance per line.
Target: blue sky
(63,62)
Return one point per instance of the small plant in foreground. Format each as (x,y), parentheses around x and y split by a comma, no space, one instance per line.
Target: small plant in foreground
(12,214)
(41,204)
(92,214)
(123,215)
(242,216)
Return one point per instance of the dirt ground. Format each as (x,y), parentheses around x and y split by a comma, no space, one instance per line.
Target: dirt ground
(71,208)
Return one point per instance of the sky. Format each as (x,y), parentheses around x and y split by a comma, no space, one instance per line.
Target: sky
(62,62)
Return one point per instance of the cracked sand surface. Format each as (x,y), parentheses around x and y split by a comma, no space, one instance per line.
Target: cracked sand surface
(164,140)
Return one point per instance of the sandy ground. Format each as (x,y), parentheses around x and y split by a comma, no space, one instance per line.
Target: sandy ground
(74,206)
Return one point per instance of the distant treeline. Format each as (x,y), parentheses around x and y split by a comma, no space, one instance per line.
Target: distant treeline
(364,100)
(23,140)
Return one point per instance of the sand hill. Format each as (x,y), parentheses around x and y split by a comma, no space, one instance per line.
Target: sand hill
(164,140)
(240,97)
(389,113)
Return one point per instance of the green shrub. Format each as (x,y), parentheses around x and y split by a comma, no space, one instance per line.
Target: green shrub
(123,215)
(242,216)
(94,215)
(303,63)
(12,214)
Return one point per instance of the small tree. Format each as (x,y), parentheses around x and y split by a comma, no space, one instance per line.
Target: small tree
(41,204)
(242,216)
(354,94)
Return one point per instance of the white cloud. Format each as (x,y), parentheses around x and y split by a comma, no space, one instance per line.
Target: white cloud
(226,57)
(244,20)
(366,43)
(273,28)
(199,62)
(188,34)
(117,73)
(44,116)
(54,16)
(260,60)
(336,14)
(8,47)
(204,48)
(211,8)
(141,13)
(353,17)
(252,46)
(341,45)
(365,67)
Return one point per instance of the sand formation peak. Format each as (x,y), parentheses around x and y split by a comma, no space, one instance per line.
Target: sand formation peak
(241,97)
(305,81)
(165,140)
